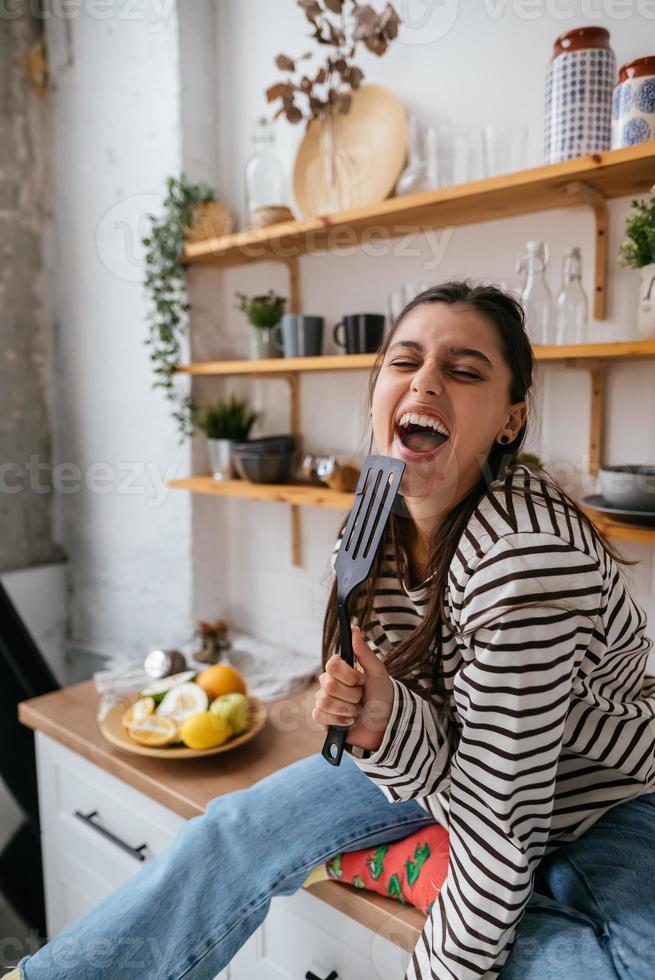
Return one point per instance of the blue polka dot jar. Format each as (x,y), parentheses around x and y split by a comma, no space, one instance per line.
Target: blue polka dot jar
(633,103)
(578,107)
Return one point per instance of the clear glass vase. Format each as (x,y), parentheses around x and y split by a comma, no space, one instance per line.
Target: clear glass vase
(338,172)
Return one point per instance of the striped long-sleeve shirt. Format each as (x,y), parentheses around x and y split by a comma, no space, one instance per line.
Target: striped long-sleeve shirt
(548,719)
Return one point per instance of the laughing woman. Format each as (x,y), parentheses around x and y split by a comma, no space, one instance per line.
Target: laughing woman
(499,690)
(509,699)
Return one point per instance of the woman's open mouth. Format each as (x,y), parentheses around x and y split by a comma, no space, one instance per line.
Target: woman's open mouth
(420,436)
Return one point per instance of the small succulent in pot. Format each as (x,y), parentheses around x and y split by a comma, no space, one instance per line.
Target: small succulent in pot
(264,313)
(226,421)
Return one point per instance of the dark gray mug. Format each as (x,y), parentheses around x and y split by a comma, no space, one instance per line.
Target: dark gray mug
(302,336)
(363,332)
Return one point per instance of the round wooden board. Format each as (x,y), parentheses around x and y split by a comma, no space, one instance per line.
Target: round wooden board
(113,730)
(374,135)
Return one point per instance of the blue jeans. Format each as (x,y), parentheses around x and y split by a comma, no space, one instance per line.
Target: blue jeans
(186,913)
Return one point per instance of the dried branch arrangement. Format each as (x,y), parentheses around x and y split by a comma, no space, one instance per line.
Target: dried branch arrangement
(340,25)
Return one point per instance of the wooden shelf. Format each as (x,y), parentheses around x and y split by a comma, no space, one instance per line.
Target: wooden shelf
(283,365)
(620,350)
(288,493)
(617,530)
(587,179)
(314,496)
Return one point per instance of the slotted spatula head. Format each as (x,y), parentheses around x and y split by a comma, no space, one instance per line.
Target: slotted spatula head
(377,488)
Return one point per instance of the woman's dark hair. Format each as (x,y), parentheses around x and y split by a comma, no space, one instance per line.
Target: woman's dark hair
(416,658)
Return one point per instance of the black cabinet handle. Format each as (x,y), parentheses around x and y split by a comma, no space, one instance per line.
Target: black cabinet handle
(135,852)
(312,976)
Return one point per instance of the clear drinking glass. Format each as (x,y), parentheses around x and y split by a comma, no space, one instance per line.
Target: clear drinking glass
(414,177)
(454,154)
(504,148)
(396,303)
(400,297)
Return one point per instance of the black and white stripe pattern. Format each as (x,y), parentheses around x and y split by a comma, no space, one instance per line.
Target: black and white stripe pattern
(548,721)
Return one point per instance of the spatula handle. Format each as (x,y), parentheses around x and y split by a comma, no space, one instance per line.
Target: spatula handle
(336,736)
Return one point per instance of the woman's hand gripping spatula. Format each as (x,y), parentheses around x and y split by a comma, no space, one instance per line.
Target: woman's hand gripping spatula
(378,485)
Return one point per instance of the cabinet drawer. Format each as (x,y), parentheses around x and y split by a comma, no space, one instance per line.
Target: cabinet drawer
(71,787)
(302,933)
(72,888)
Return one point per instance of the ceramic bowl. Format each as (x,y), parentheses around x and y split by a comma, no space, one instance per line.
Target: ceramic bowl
(267,445)
(630,487)
(263,467)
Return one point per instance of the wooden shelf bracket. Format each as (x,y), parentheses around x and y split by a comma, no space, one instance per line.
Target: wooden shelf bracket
(598,379)
(585,194)
(296,430)
(293,269)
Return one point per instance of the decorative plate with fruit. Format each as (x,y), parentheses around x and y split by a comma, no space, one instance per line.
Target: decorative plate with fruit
(186,715)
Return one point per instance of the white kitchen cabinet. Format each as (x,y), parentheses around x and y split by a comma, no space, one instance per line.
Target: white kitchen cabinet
(86,859)
(302,934)
(89,820)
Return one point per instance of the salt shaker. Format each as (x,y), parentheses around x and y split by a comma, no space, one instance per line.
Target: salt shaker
(163,663)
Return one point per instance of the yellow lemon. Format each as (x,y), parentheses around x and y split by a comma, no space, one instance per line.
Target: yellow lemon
(234,708)
(221,679)
(140,709)
(154,731)
(204,731)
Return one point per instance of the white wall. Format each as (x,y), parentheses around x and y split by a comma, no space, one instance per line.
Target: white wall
(487,66)
(117,134)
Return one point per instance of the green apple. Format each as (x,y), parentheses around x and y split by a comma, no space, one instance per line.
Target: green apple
(234,709)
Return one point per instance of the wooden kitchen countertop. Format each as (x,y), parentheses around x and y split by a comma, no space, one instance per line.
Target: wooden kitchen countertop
(186,785)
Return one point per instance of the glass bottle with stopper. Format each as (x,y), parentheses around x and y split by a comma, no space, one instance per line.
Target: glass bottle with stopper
(535,295)
(263,173)
(571,313)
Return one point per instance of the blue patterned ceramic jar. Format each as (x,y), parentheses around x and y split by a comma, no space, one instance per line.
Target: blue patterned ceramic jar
(579,82)
(633,103)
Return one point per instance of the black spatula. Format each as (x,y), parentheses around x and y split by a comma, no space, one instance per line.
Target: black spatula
(378,485)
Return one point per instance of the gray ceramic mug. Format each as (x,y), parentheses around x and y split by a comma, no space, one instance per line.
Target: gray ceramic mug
(302,336)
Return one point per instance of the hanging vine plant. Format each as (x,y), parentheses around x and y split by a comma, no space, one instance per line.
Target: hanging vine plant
(165,283)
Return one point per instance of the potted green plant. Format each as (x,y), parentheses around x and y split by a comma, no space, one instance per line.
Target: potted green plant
(226,421)
(531,460)
(165,284)
(263,313)
(637,251)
